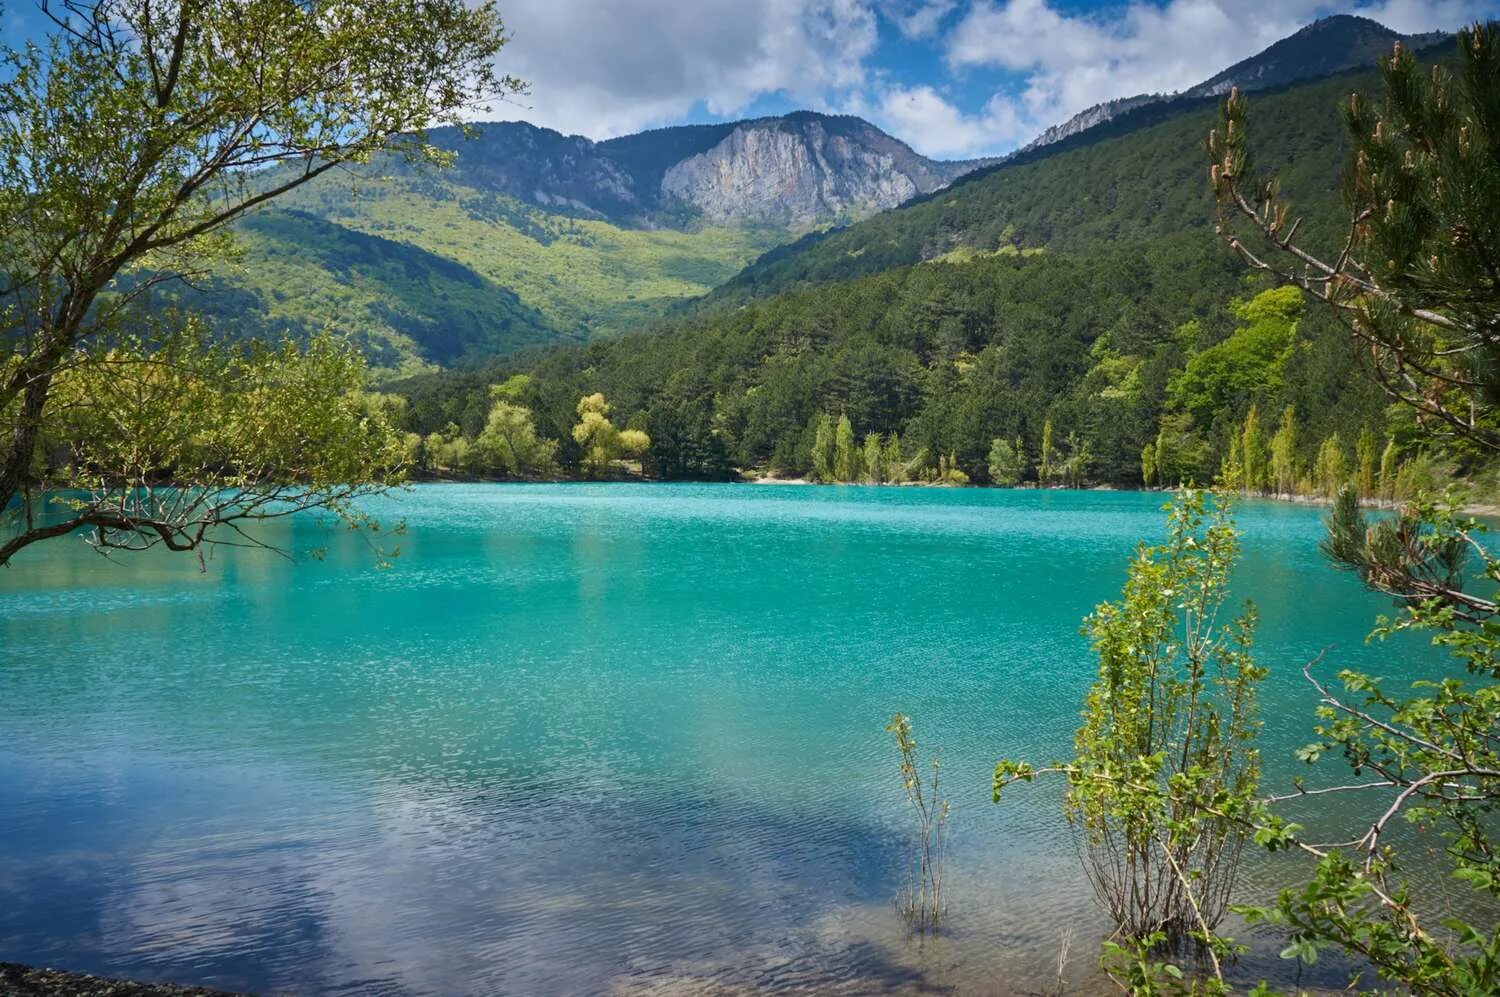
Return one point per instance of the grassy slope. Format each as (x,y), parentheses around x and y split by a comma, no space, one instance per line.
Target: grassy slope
(585,277)
(423,273)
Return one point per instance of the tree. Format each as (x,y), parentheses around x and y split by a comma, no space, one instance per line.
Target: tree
(895,466)
(1232,468)
(823,448)
(1284,453)
(873,460)
(1331,468)
(509,443)
(845,452)
(252,429)
(1006,463)
(1253,456)
(1148,464)
(1076,467)
(1416,283)
(684,441)
(601,442)
(1246,365)
(128,141)
(1045,458)
(1169,725)
(1364,461)
(1415,279)
(1181,454)
(1388,461)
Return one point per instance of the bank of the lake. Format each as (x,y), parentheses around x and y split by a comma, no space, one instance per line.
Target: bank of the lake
(592,737)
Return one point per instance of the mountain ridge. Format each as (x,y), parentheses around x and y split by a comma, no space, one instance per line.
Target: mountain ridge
(1328,45)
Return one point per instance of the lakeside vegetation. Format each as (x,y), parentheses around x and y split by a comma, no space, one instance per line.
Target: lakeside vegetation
(1112,318)
(1154,362)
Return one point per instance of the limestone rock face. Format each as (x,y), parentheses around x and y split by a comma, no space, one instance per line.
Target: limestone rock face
(800,172)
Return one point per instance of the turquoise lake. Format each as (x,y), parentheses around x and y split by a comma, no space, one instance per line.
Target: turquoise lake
(593,738)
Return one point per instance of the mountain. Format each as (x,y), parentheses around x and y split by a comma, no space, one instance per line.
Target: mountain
(534,237)
(1086,119)
(1326,46)
(1076,292)
(801,169)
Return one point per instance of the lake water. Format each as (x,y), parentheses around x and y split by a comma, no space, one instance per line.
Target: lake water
(589,738)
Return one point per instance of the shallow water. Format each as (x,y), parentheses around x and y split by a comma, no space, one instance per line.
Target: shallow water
(585,738)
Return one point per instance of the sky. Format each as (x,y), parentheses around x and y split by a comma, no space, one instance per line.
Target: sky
(952,78)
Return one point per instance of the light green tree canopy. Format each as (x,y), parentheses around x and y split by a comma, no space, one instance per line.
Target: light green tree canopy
(601,441)
(1246,365)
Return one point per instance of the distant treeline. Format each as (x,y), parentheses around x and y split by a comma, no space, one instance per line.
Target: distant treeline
(1137,365)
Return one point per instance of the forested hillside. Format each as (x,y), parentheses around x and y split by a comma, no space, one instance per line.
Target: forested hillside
(1074,305)
(1133,179)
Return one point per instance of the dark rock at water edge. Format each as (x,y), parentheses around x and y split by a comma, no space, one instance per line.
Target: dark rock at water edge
(17,980)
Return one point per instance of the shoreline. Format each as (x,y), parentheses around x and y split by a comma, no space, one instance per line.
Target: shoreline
(20,980)
(1488,509)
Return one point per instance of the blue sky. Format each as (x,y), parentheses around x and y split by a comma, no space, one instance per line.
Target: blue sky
(954,78)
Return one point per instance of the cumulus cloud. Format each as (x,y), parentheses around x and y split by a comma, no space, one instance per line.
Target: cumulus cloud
(931,124)
(604,69)
(996,71)
(1068,62)
(919,18)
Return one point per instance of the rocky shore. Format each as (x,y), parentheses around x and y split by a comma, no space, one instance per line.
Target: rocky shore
(30,981)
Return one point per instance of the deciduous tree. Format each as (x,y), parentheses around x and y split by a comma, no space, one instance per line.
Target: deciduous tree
(129,139)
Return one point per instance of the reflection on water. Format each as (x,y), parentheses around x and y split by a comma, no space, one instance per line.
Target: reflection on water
(586,738)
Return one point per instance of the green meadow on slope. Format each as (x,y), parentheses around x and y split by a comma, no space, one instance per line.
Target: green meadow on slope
(433,277)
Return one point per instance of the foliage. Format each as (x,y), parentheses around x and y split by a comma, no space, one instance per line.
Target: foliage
(601,441)
(921,903)
(952,355)
(1007,462)
(509,444)
(1166,766)
(1415,279)
(1248,364)
(129,140)
(183,444)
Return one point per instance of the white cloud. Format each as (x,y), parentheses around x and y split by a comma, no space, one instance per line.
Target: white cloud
(934,126)
(614,67)
(609,67)
(1070,61)
(919,18)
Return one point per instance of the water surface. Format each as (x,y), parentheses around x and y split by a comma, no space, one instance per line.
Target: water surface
(588,738)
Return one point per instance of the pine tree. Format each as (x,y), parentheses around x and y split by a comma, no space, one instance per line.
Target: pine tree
(1417,280)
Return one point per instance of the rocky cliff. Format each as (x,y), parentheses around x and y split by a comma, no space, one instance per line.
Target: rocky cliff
(801,170)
